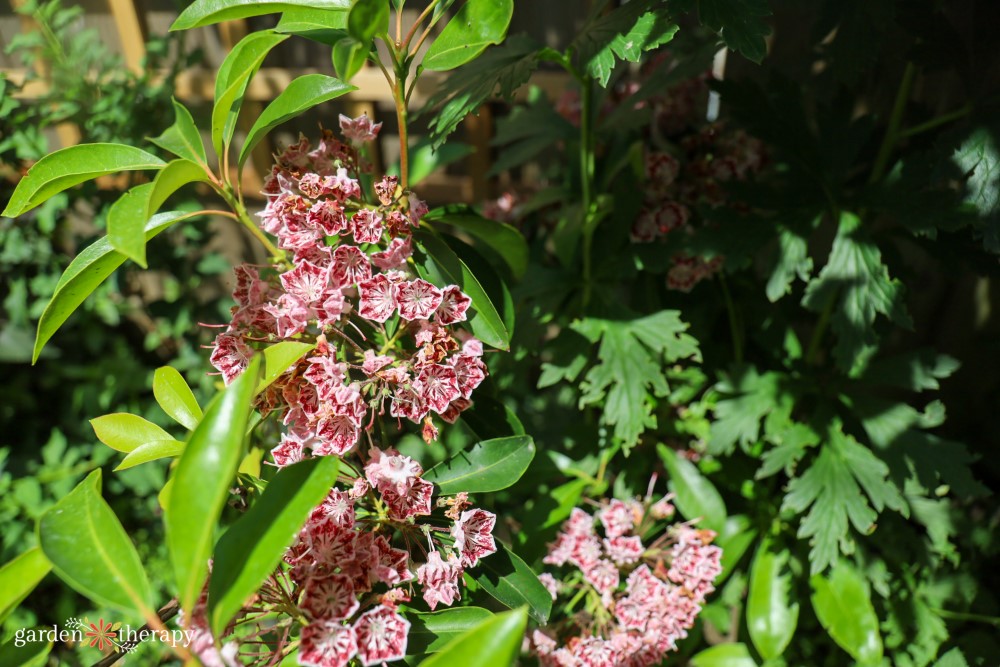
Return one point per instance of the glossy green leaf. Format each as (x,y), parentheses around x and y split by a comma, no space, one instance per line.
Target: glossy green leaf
(844,608)
(278,358)
(367,19)
(772,614)
(249,551)
(71,166)
(126,221)
(151,451)
(349,56)
(324,26)
(232,81)
(432,631)
(509,579)
(302,94)
(125,432)
(90,551)
(183,138)
(734,539)
(88,270)
(490,465)
(505,239)
(440,265)
(495,642)
(201,481)
(172,178)
(207,12)
(19,577)
(477,24)
(696,496)
(31,654)
(175,397)
(724,655)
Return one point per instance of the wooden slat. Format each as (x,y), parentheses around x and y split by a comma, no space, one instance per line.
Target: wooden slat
(130,33)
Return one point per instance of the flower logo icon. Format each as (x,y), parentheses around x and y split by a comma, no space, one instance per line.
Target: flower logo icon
(102,635)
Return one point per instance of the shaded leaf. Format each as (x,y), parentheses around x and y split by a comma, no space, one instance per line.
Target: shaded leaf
(696,497)
(509,579)
(31,654)
(438,264)
(366,19)
(740,23)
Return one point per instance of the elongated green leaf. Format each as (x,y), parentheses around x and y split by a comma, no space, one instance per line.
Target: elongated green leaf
(183,138)
(430,632)
(250,550)
(30,654)
(170,179)
(724,655)
(696,496)
(440,265)
(367,18)
(301,95)
(495,642)
(324,26)
(509,579)
(151,451)
(425,159)
(844,608)
(478,24)
(90,551)
(201,481)
(19,577)
(88,270)
(71,166)
(126,222)
(278,358)
(125,432)
(491,465)
(734,539)
(506,240)
(207,12)
(772,615)
(175,397)
(349,56)
(232,81)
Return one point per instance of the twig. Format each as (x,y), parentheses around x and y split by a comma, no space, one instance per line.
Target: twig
(167,612)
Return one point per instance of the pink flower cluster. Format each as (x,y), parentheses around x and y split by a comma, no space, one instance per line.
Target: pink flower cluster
(640,599)
(348,577)
(384,337)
